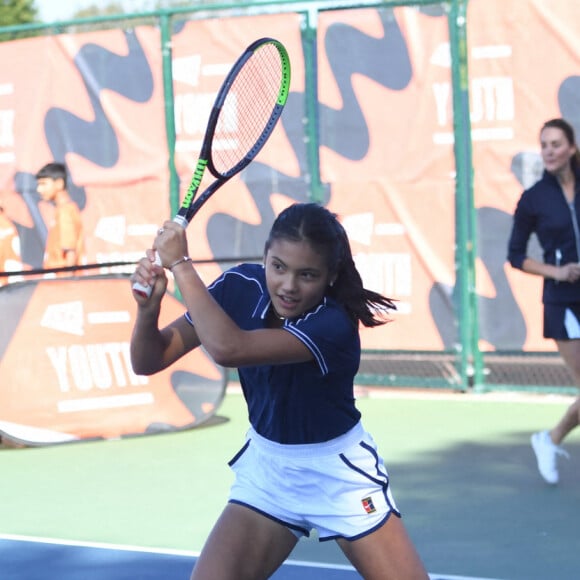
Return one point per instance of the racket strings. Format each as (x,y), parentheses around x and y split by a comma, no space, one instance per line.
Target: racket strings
(248,109)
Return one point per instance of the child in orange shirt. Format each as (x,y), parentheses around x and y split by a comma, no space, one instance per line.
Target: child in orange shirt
(65,241)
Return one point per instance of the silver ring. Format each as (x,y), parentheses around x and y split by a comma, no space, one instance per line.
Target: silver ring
(160,231)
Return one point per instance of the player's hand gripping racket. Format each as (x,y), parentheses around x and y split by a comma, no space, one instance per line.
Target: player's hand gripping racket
(244,115)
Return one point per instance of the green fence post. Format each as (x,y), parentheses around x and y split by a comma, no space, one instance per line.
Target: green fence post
(470,358)
(311,124)
(168,97)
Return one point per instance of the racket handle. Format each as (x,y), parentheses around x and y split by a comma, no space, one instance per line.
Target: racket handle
(145,291)
(179,219)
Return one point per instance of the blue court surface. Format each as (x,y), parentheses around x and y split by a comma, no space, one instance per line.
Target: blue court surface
(23,558)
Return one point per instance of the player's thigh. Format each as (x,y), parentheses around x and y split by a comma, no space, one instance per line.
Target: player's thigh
(243,545)
(385,554)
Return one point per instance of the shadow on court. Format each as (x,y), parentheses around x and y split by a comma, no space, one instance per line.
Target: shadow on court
(482,509)
(478,509)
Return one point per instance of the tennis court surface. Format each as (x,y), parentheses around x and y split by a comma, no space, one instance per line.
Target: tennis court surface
(461,466)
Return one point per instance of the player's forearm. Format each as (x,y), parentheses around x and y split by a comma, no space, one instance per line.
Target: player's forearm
(532,266)
(147,343)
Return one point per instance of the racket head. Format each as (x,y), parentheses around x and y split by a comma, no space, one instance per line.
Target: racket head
(248,106)
(246,111)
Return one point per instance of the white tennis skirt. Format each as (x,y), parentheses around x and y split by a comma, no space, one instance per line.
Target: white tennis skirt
(339,487)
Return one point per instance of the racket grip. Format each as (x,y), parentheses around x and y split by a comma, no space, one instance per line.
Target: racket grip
(143,290)
(179,219)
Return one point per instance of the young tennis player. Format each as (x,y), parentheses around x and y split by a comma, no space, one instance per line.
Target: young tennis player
(291,327)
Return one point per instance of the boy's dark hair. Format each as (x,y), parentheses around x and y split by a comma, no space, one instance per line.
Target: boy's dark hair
(53,170)
(316,225)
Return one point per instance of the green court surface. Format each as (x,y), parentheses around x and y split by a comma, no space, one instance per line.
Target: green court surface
(462,472)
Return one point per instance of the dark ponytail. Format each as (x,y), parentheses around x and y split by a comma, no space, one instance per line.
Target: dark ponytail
(319,227)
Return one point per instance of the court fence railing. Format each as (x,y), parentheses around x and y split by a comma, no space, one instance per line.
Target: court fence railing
(465,368)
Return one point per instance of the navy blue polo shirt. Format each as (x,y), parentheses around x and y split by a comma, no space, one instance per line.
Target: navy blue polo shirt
(543,209)
(306,402)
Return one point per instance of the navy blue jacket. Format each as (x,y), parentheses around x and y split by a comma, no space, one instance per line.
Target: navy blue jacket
(543,209)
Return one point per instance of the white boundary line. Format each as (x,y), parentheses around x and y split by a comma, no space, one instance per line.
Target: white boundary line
(413,393)
(447,577)
(141,549)
(173,552)
(436,394)
(100,545)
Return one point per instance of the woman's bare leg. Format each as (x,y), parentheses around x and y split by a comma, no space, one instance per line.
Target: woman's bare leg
(570,352)
(386,554)
(243,545)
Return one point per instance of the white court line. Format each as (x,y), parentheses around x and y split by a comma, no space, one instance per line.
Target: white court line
(433,394)
(172,552)
(101,545)
(112,402)
(141,549)
(447,577)
(436,394)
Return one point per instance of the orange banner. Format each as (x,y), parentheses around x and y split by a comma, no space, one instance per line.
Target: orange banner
(66,371)
(391,173)
(384,120)
(94,101)
(524,68)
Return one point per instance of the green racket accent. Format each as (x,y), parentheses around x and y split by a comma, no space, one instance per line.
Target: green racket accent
(285,86)
(195,183)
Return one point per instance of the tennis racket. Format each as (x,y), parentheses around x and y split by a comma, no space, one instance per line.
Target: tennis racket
(244,115)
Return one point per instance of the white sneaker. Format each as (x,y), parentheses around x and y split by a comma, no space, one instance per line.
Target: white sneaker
(546,454)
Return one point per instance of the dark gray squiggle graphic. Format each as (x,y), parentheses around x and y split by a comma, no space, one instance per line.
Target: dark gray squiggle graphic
(386,61)
(94,139)
(569,101)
